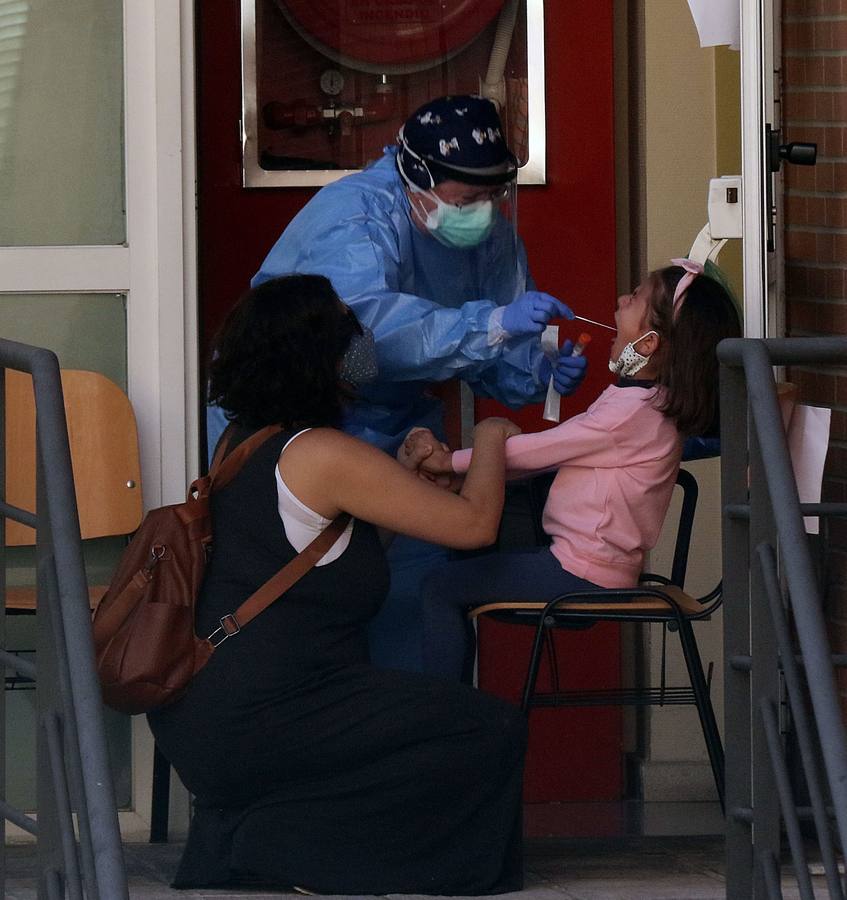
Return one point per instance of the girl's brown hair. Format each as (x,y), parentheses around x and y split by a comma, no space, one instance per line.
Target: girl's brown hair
(687,358)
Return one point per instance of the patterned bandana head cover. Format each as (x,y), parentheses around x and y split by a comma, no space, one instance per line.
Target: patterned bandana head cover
(458,138)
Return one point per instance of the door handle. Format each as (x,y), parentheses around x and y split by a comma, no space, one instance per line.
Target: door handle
(799,153)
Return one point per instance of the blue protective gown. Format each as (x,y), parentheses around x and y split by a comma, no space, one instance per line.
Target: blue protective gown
(429,308)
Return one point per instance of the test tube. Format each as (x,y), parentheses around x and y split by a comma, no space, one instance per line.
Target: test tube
(579,346)
(552,405)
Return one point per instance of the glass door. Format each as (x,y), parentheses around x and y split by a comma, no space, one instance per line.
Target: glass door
(94,240)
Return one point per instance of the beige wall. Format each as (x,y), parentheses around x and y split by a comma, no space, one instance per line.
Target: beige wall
(688,132)
(728,145)
(679,126)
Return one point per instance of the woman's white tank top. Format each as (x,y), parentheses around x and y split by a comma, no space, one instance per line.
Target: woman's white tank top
(302,524)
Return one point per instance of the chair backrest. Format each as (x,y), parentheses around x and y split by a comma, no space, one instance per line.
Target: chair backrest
(104,453)
(685,525)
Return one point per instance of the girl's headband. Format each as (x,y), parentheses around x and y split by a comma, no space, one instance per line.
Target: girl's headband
(692,270)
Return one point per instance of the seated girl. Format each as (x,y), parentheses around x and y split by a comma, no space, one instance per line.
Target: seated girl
(308,765)
(615,464)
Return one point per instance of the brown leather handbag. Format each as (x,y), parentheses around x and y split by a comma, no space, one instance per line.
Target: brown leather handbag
(145,646)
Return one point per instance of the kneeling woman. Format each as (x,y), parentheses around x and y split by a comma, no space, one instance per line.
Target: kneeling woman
(309,766)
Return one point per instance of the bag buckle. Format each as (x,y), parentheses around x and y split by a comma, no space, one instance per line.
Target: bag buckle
(228,627)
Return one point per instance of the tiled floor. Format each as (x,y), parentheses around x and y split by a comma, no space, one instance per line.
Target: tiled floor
(599,869)
(625,867)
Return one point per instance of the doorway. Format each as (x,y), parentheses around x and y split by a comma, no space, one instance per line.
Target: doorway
(569,227)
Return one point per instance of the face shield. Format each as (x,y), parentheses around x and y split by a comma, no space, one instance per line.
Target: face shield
(506,249)
(468,207)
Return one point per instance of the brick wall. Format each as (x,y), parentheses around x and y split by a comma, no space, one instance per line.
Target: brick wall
(815,109)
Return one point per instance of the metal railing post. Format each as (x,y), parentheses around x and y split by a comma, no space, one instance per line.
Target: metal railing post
(737,714)
(764,676)
(774,509)
(800,577)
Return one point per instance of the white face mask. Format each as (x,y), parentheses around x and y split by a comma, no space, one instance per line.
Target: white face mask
(630,360)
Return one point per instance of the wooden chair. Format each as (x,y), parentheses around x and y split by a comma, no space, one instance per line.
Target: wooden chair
(104,455)
(658,599)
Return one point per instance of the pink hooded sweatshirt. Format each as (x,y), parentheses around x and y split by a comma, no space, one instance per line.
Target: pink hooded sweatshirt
(617,464)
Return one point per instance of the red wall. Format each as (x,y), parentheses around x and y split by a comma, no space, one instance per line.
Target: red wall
(568,226)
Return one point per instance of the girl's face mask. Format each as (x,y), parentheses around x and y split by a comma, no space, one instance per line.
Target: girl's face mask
(458,226)
(630,360)
(359,365)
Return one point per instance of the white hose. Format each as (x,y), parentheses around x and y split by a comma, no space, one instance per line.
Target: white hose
(493,86)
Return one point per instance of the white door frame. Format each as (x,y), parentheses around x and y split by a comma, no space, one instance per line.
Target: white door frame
(162,319)
(161,234)
(764,313)
(752,168)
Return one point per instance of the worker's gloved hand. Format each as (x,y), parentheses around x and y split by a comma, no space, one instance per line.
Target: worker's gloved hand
(567,371)
(529,313)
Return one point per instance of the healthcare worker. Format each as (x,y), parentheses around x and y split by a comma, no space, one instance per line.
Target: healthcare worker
(423,246)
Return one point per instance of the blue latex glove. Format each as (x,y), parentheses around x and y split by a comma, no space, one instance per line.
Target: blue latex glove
(567,372)
(529,313)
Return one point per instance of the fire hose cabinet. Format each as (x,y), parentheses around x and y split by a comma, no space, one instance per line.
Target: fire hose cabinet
(326,84)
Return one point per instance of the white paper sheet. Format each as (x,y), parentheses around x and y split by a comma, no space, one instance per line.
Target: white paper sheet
(550,348)
(718,22)
(808,441)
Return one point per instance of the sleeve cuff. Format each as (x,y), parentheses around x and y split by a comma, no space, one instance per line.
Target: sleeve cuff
(540,379)
(461,461)
(496,333)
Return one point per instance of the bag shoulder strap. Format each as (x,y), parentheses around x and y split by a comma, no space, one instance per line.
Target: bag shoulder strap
(225,466)
(278,584)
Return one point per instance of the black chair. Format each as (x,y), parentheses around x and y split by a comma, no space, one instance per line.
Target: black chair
(658,599)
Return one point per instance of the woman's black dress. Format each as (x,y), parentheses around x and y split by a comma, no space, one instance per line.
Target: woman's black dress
(309,766)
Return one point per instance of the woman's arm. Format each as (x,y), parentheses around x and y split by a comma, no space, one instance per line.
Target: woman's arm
(332,472)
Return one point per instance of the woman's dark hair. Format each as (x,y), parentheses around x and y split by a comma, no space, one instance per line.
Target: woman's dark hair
(276,357)
(687,360)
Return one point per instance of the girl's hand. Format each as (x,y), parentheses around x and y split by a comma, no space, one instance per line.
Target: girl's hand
(432,456)
(419,444)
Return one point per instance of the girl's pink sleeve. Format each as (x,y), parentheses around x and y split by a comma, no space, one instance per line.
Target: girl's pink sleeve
(581,439)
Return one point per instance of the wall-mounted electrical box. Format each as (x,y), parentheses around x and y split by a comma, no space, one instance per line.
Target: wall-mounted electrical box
(725,207)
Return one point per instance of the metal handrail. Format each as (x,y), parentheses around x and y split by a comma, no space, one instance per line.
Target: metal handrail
(73,767)
(752,431)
